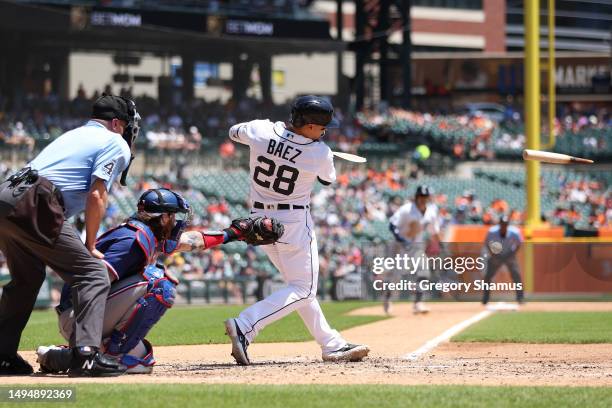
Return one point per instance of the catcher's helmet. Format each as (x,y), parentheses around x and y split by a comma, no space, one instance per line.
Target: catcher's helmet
(162,200)
(423,191)
(312,109)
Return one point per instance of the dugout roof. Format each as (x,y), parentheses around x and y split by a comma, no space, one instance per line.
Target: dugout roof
(215,38)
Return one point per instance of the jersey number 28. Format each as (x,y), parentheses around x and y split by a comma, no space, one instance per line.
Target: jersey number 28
(285,175)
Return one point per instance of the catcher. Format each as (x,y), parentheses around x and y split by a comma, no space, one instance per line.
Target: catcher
(141,289)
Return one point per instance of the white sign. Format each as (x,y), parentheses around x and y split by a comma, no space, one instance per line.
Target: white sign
(249,27)
(108,18)
(578,76)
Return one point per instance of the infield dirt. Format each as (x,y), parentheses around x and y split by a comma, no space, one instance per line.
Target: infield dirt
(390,340)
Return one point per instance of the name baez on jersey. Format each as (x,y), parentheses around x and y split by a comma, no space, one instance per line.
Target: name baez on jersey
(284,165)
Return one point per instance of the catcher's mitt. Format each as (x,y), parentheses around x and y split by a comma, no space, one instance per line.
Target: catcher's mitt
(256,231)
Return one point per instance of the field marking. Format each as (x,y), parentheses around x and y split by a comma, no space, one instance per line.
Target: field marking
(446,336)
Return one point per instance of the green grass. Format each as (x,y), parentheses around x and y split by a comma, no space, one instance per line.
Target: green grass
(353,396)
(542,327)
(204,325)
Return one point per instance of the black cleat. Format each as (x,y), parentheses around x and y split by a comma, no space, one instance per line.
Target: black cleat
(14,365)
(54,359)
(89,362)
(239,342)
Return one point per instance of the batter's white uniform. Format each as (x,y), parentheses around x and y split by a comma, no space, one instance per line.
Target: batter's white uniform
(429,224)
(283,169)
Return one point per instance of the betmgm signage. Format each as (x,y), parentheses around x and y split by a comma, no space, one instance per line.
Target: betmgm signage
(83,18)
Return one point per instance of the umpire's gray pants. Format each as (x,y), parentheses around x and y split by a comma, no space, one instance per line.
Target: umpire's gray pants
(493,265)
(120,304)
(26,260)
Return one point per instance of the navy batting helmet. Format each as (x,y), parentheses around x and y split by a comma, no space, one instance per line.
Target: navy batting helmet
(312,109)
(422,191)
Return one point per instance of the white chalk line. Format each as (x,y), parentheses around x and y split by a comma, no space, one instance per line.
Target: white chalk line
(446,336)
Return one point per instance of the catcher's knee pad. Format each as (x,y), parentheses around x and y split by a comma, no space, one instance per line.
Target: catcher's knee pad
(150,308)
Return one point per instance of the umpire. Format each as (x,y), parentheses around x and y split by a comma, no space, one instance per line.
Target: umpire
(72,174)
(502,243)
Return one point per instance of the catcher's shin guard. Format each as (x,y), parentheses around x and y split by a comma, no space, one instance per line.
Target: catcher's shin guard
(151,307)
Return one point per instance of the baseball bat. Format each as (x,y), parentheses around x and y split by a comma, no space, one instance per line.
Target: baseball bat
(350,157)
(550,157)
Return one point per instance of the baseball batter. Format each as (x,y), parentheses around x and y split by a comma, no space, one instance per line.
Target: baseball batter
(285,162)
(414,225)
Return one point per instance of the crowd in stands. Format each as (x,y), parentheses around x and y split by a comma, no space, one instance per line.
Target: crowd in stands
(588,195)
(185,128)
(345,217)
(362,199)
(579,128)
(358,207)
(41,119)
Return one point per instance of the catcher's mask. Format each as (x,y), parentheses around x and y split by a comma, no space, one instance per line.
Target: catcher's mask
(160,201)
(130,134)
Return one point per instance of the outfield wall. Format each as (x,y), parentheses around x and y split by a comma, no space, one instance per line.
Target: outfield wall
(551,263)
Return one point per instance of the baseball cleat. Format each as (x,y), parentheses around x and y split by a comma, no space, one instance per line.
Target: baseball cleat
(239,342)
(420,308)
(350,352)
(54,359)
(139,365)
(14,365)
(89,362)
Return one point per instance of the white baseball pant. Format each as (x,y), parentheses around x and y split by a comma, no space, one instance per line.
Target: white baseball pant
(297,258)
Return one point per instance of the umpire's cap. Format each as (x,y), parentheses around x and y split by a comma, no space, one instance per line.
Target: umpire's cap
(423,191)
(161,200)
(109,107)
(311,109)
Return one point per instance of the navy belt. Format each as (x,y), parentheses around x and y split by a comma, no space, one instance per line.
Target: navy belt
(262,206)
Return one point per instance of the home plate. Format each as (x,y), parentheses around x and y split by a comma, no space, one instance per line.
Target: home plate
(503,307)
